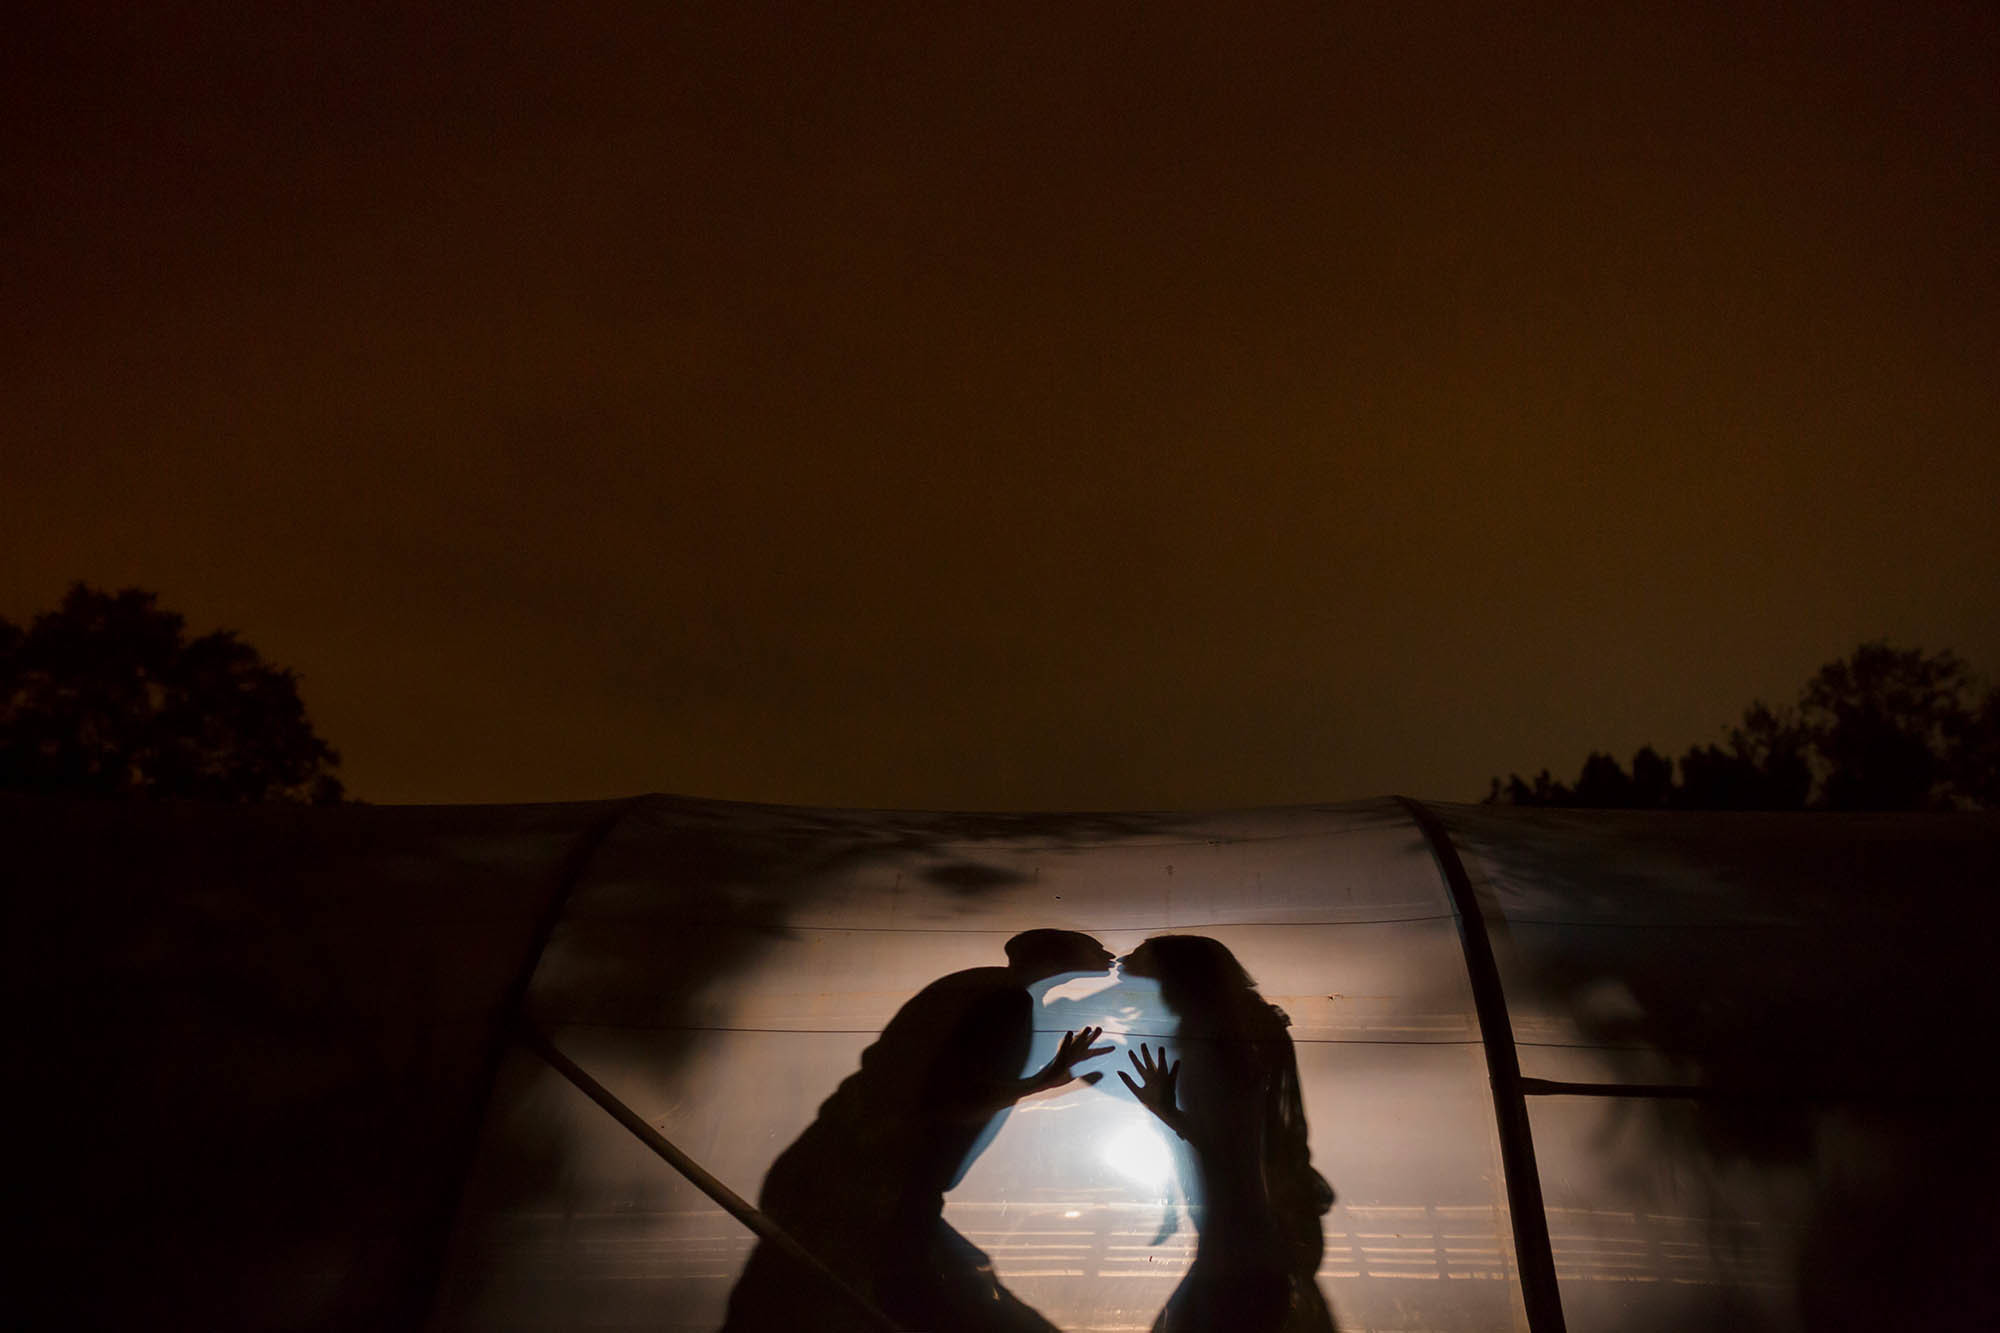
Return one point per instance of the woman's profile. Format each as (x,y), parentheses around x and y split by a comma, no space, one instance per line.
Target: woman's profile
(1233,1096)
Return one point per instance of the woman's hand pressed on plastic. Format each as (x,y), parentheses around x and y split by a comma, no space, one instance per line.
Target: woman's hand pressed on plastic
(1155,1091)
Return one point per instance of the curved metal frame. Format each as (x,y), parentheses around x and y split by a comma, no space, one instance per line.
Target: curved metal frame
(1532,1251)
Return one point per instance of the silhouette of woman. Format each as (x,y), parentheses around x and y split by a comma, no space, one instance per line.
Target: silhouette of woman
(1239,1109)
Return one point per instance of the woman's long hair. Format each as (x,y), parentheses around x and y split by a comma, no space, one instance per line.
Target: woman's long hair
(1202,982)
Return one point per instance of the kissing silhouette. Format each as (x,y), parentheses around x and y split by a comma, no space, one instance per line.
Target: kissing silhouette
(863,1187)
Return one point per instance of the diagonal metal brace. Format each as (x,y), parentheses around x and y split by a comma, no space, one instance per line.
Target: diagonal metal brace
(731,1202)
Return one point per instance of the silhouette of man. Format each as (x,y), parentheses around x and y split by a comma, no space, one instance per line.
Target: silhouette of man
(863,1188)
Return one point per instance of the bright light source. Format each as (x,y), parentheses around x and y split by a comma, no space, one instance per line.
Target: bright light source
(1137,1152)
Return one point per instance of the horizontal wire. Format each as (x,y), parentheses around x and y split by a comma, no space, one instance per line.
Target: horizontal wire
(559,1024)
(1232,925)
(1104,929)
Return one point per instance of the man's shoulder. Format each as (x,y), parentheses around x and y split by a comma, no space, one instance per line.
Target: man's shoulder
(976,990)
(969,1009)
(979,999)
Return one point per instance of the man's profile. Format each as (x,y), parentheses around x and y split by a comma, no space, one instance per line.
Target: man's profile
(863,1187)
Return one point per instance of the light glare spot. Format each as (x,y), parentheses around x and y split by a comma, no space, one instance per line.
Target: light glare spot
(1136,1152)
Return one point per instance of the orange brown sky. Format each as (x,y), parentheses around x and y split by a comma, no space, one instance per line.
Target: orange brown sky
(1076,406)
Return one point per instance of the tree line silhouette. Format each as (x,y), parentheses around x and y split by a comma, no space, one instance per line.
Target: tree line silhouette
(1881,729)
(107,696)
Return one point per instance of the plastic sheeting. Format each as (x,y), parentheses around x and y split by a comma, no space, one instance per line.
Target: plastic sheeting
(1798,1000)
(722,969)
(261,1064)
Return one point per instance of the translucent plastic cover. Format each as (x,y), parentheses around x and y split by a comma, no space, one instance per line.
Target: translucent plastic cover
(725,970)
(1784,1004)
(1015,1071)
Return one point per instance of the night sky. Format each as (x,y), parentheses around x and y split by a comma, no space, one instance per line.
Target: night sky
(1077,406)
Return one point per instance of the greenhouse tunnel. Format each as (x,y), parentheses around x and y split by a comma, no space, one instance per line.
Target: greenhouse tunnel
(288,1068)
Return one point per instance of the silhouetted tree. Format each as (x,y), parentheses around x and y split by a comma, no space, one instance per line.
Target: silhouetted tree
(1882,729)
(1892,729)
(1978,775)
(1545,791)
(1605,784)
(1652,779)
(1766,766)
(107,696)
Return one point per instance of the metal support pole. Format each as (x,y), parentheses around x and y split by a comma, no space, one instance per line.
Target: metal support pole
(1539,1293)
(572,869)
